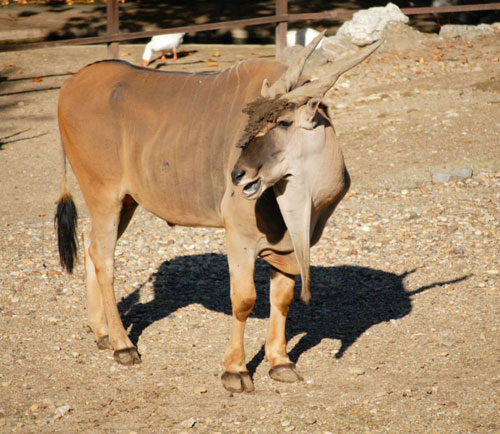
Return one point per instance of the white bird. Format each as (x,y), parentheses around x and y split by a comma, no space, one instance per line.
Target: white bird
(302,37)
(163,44)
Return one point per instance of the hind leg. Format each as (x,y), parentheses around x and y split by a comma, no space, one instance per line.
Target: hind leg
(95,305)
(107,223)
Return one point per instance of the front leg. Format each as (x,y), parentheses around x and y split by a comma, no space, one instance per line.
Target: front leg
(281,296)
(241,269)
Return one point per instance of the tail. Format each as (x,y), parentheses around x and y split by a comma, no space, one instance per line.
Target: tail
(65,222)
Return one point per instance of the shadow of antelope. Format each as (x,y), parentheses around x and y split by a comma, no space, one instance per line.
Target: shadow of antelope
(347,300)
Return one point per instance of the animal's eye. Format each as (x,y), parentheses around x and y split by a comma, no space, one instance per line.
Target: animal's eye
(284,123)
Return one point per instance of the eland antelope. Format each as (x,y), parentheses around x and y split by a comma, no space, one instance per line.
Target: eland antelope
(251,149)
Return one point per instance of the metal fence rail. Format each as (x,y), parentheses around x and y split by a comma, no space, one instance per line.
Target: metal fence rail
(281,19)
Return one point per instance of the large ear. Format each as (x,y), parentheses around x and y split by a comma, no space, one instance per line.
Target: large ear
(318,88)
(307,115)
(289,80)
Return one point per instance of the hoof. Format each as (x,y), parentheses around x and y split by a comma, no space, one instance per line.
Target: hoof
(285,373)
(237,383)
(104,344)
(128,356)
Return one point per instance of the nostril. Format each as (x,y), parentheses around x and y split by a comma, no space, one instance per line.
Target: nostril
(237,175)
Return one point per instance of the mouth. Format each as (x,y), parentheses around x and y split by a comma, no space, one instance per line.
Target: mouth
(252,189)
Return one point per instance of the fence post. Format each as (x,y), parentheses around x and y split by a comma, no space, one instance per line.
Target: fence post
(281,28)
(112,26)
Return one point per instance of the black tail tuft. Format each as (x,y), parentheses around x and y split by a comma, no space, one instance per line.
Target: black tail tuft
(66,222)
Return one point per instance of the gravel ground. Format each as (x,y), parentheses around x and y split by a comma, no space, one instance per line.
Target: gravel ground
(402,331)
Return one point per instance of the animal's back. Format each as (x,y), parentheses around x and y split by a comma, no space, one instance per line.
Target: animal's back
(168,139)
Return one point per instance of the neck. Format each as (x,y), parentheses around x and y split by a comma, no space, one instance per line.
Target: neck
(148,52)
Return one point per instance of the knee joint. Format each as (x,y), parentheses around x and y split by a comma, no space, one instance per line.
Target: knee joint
(243,306)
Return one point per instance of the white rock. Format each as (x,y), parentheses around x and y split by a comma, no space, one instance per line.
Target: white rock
(367,25)
(439,176)
(188,423)
(63,410)
(456,30)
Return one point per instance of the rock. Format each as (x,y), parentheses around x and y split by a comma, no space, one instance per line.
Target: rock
(63,410)
(188,423)
(368,25)
(286,422)
(199,390)
(310,420)
(441,177)
(356,370)
(337,46)
(447,342)
(457,30)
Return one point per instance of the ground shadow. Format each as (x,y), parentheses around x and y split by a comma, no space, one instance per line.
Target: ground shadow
(6,80)
(12,138)
(346,300)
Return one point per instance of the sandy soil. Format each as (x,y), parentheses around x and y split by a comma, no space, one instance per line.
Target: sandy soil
(402,332)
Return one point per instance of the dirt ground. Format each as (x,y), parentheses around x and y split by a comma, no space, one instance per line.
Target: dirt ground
(402,332)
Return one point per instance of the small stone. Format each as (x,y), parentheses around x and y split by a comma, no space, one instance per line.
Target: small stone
(199,390)
(441,177)
(290,428)
(34,407)
(63,410)
(75,354)
(310,420)
(493,272)
(188,423)
(447,343)
(286,422)
(356,371)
